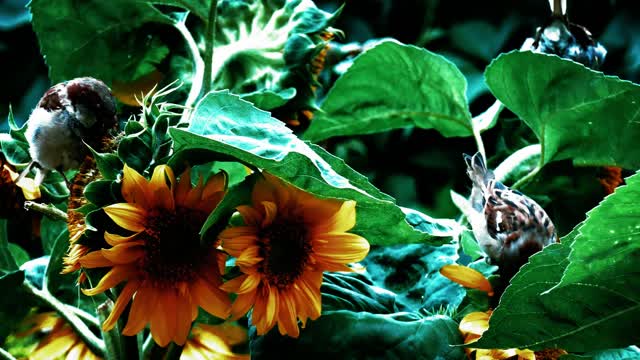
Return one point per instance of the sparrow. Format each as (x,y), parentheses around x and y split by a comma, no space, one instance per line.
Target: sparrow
(508,225)
(68,115)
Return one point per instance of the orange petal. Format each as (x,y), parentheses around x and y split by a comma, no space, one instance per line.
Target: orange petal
(467,277)
(121,303)
(194,195)
(234,241)
(135,188)
(143,305)
(113,239)
(250,215)
(114,277)
(94,259)
(162,326)
(125,253)
(56,348)
(183,319)
(215,184)
(249,257)
(161,193)
(128,216)
(184,186)
(287,319)
(242,304)
(309,287)
(270,212)
(340,247)
(342,221)
(210,298)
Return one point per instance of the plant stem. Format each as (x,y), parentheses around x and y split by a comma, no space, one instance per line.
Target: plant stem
(479,143)
(4,355)
(93,342)
(111,338)
(527,178)
(210,42)
(49,210)
(198,76)
(84,316)
(147,346)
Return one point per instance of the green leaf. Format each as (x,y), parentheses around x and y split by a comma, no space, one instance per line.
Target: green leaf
(50,230)
(14,304)
(53,278)
(7,262)
(362,335)
(589,315)
(392,86)
(100,192)
(355,292)
(109,164)
(575,112)
(470,246)
(235,128)
(104,39)
(15,151)
(267,99)
(19,254)
(628,353)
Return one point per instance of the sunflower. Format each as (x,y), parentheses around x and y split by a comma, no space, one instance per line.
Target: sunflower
(214,342)
(288,239)
(60,342)
(163,262)
(473,326)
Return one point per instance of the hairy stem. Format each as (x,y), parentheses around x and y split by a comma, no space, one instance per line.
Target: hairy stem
(93,342)
(4,355)
(210,42)
(49,210)
(198,76)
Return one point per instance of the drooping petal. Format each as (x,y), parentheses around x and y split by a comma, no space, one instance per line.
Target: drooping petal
(216,183)
(94,259)
(287,319)
(114,277)
(251,216)
(114,239)
(121,303)
(270,212)
(342,221)
(143,305)
(467,277)
(183,188)
(242,304)
(135,188)
(128,216)
(183,319)
(125,253)
(161,329)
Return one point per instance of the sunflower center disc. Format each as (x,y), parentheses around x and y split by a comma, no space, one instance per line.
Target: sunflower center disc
(172,245)
(285,246)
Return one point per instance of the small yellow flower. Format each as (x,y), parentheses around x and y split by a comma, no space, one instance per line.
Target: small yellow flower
(168,273)
(467,277)
(289,238)
(60,342)
(214,342)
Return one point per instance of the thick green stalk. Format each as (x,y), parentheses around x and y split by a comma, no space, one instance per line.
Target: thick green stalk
(210,42)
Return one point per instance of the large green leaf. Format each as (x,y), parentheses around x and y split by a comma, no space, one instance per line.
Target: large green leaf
(582,294)
(362,335)
(393,86)
(103,39)
(575,112)
(233,128)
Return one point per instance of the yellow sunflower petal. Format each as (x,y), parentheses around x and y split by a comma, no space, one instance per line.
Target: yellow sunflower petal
(213,300)
(340,247)
(287,319)
(242,304)
(249,257)
(128,216)
(467,277)
(56,348)
(77,351)
(135,188)
(161,193)
(474,323)
(342,221)
(161,330)
(94,259)
(121,303)
(234,242)
(114,239)
(125,253)
(114,277)
(309,288)
(142,306)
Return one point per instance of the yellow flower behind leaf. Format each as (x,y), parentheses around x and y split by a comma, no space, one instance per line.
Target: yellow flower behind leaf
(288,239)
(60,340)
(473,326)
(214,342)
(30,190)
(467,277)
(168,273)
